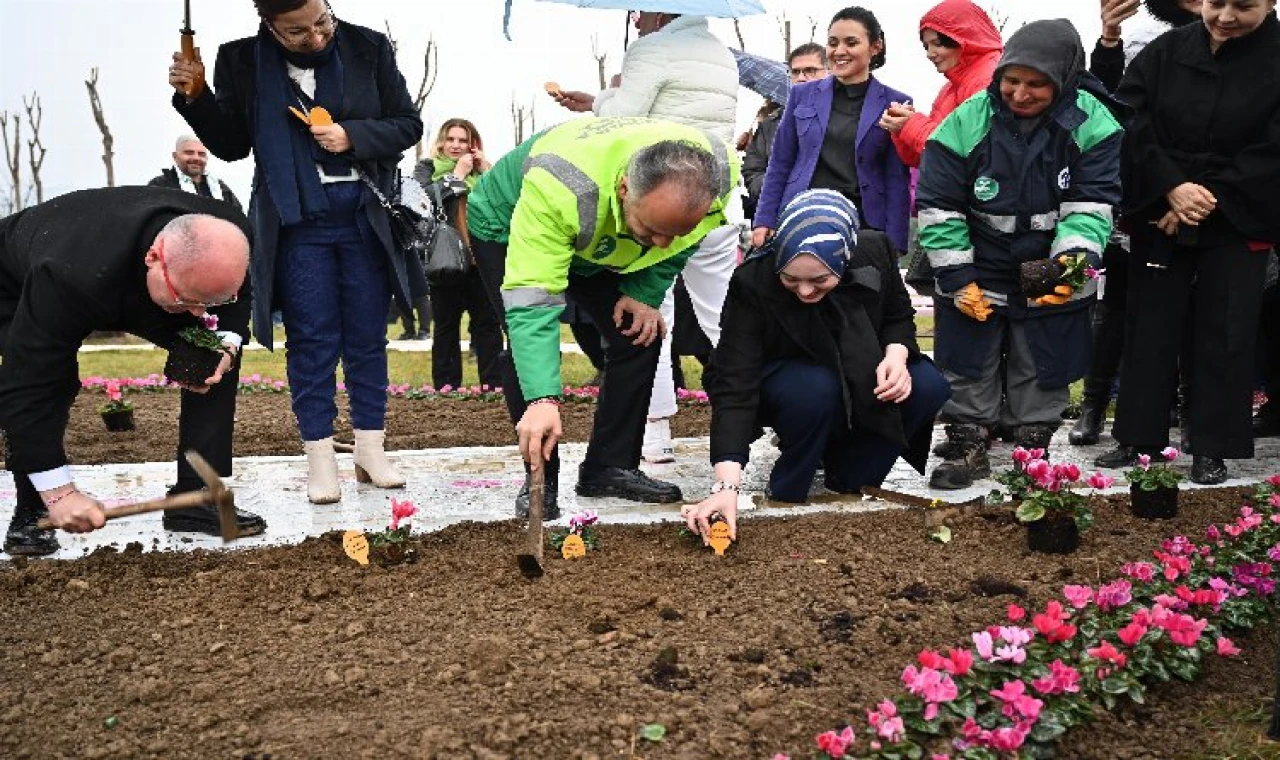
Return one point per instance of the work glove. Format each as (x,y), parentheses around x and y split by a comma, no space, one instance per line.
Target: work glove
(1060,295)
(972,303)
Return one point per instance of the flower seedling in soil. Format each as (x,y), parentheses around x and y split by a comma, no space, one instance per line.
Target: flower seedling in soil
(389,545)
(574,541)
(195,357)
(653,732)
(717,538)
(1149,476)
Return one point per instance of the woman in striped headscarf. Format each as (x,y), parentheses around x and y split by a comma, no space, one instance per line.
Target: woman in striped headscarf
(818,342)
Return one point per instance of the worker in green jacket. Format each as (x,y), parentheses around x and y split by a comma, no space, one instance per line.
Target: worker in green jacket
(608,210)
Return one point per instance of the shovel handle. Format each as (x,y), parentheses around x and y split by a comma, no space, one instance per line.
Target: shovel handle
(177,501)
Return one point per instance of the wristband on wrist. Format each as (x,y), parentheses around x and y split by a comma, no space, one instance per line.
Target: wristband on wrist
(1110,40)
(545,400)
(60,497)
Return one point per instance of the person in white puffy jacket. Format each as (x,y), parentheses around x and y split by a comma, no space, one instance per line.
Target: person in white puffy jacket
(678,71)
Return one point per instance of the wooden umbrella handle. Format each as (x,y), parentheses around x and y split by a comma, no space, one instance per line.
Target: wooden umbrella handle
(177,501)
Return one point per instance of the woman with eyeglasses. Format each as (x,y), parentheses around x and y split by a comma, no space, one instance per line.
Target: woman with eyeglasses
(323,251)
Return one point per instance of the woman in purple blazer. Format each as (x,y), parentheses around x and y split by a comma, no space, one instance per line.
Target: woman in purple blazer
(828,137)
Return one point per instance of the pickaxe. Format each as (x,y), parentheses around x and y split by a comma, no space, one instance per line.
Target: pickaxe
(217,495)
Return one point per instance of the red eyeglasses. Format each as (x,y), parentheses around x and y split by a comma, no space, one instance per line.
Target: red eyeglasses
(179,300)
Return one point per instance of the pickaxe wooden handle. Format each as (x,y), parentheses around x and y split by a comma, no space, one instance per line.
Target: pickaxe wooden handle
(177,501)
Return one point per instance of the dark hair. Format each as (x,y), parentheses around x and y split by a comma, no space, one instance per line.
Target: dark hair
(874,31)
(269,9)
(809,48)
(943,39)
(1170,12)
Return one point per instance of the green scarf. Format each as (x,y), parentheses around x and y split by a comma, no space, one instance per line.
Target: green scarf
(445,165)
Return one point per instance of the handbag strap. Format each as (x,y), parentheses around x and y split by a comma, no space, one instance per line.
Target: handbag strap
(382,199)
(437,198)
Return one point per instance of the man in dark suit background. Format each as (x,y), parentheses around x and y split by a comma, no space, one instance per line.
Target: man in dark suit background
(190,173)
(143,260)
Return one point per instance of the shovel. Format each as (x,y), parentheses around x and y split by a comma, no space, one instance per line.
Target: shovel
(531,563)
(936,510)
(217,495)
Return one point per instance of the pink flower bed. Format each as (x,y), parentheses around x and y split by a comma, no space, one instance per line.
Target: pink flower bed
(1020,687)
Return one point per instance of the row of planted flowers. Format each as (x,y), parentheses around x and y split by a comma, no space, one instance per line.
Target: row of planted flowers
(1023,683)
(256,383)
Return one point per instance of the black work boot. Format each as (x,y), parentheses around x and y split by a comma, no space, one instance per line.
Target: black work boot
(624,483)
(1088,429)
(26,540)
(550,499)
(969,461)
(1037,436)
(1208,471)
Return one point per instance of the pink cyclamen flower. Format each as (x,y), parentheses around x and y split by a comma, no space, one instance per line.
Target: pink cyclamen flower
(960,662)
(1114,594)
(1016,701)
(1015,613)
(835,745)
(1078,596)
(1021,455)
(1141,571)
(983,642)
(1132,633)
(1144,461)
(1226,648)
(1170,453)
(1098,481)
(210,321)
(1062,678)
(781,756)
(401,509)
(1184,630)
(887,723)
(1092,273)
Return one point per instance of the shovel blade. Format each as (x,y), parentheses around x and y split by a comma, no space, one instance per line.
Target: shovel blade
(530,566)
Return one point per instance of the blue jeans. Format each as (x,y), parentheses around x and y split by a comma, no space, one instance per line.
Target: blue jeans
(332,290)
(804,405)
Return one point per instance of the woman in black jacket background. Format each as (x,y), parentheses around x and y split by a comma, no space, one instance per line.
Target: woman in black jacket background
(818,342)
(1202,174)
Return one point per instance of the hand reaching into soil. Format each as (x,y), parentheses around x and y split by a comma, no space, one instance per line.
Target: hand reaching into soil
(697,517)
(73,511)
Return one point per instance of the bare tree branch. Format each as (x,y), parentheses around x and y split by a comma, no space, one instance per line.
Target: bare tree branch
(430,70)
(813,31)
(395,47)
(999,18)
(600,59)
(95,102)
(737,30)
(784,28)
(35,149)
(518,119)
(13,157)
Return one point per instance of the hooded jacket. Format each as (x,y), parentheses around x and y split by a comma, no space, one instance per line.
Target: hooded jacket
(980,48)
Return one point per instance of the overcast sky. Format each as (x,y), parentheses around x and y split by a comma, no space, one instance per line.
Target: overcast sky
(49,46)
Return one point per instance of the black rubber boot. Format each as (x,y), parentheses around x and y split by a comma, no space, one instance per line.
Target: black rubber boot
(1034,436)
(968,461)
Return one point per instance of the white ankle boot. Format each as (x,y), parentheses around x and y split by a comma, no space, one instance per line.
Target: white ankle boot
(372,465)
(658,448)
(322,472)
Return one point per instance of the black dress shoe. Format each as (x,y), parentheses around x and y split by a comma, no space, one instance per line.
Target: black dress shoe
(1088,429)
(26,540)
(550,500)
(1208,471)
(205,520)
(622,483)
(1124,456)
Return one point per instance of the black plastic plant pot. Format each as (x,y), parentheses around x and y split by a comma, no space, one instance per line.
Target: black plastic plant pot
(118,422)
(1160,504)
(1053,535)
(191,365)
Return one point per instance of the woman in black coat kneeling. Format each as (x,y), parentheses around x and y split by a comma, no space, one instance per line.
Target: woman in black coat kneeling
(819,343)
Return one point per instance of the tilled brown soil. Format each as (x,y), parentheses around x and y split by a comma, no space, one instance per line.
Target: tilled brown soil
(296,652)
(265,425)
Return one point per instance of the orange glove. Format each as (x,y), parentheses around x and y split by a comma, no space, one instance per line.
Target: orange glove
(972,303)
(1060,295)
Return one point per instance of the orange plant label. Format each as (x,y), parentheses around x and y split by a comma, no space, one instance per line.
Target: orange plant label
(719,537)
(356,545)
(573,547)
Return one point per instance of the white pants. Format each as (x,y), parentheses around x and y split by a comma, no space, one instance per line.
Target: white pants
(707,278)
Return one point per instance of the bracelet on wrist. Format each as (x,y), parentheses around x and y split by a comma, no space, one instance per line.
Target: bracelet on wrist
(545,400)
(60,497)
(723,485)
(1110,40)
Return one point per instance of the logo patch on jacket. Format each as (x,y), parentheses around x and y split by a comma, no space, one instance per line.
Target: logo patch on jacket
(985,188)
(605,248)
(1064,178)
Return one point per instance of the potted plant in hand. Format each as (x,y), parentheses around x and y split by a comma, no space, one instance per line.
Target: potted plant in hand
(117,413)
(389,547)
(1043,277)
(193,359)
(1153,486)
(1053,511)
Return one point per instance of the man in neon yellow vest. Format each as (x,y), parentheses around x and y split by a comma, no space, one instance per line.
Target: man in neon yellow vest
(608,210)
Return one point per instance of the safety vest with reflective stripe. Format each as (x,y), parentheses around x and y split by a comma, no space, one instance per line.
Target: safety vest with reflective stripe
(554,201)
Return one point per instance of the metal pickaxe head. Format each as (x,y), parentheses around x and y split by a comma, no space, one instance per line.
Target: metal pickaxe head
(220,497)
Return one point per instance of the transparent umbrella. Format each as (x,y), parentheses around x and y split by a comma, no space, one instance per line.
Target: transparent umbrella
(764,76)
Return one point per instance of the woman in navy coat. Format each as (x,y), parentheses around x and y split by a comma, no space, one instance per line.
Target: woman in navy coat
(829,136)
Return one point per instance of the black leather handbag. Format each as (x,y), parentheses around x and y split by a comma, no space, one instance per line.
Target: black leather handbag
(410,218)
(447,256)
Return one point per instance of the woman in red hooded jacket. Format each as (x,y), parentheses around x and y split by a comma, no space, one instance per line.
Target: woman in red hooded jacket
(964,45)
